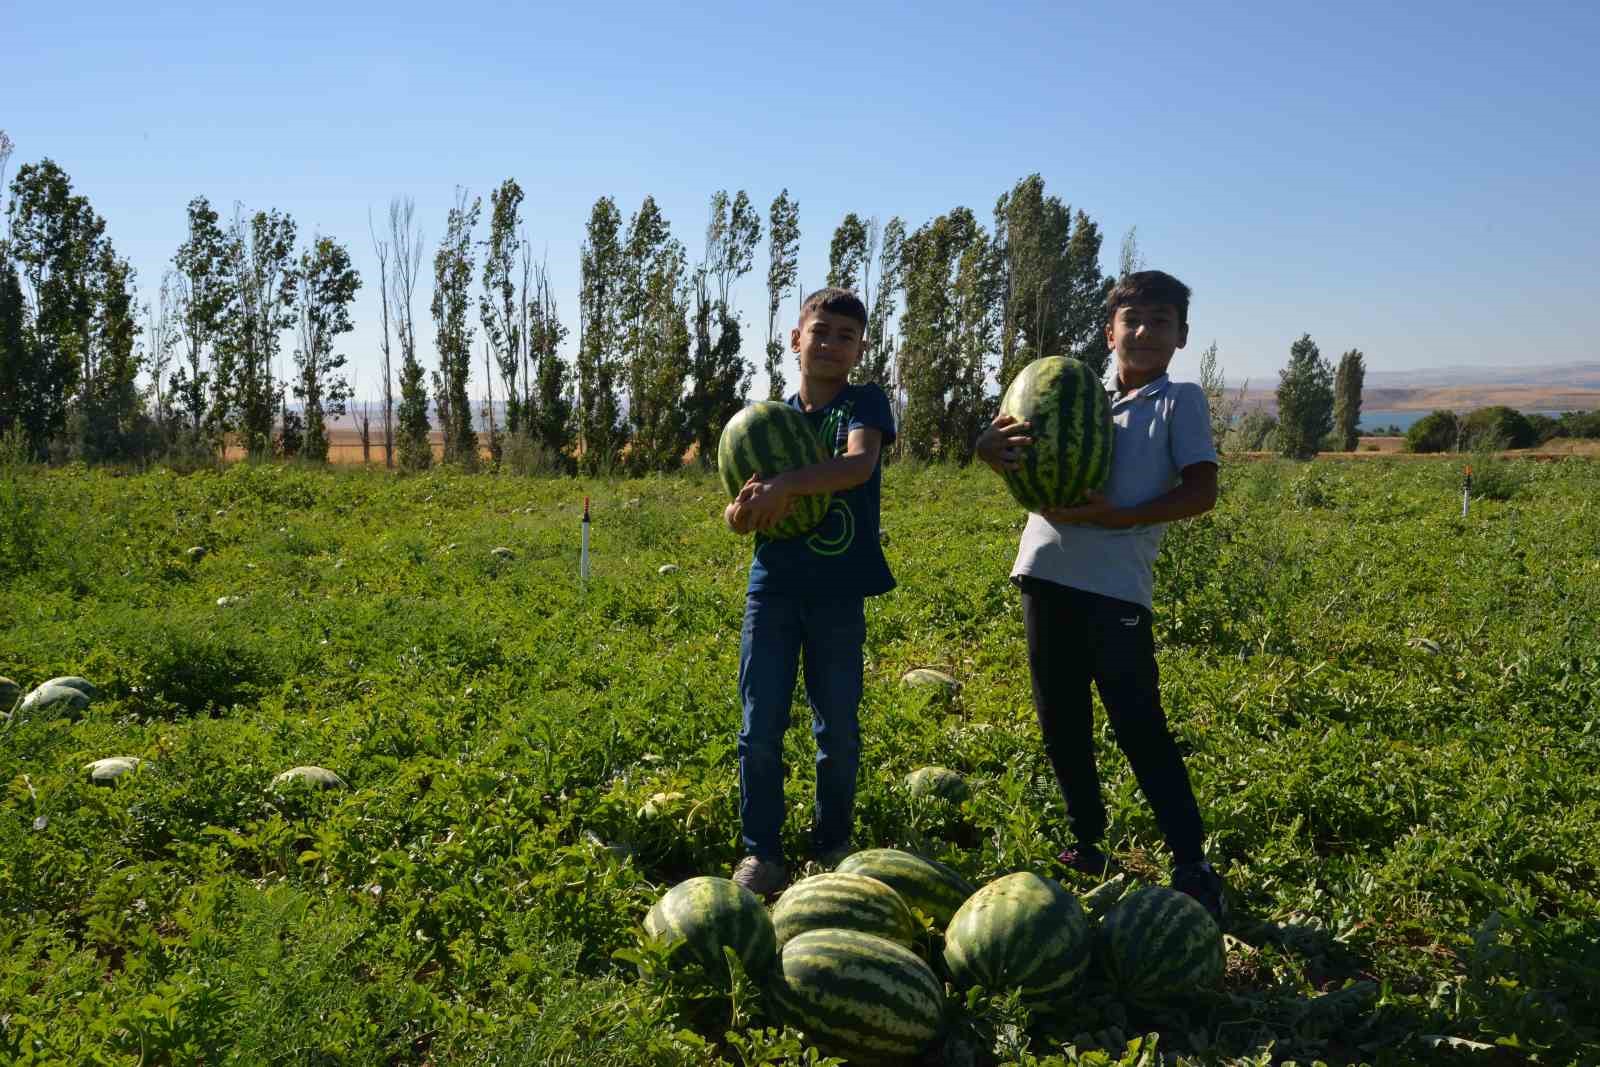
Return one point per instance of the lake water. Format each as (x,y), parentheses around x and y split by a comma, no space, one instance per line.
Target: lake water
(1405,419)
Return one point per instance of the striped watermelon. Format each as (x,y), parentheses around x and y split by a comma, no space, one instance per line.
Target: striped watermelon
(708,913)
(925,884)
(770,438)
(857,995)
(939,782)
(1159,943)
(1023,932)
(1071,429)
(845,902)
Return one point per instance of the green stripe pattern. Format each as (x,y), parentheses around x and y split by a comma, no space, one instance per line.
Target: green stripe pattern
(705,914)
(1022,931)
(1158,944)
(940,782)
(1071,429)
(925,884)
(769,438)
(858,996)
(843,902)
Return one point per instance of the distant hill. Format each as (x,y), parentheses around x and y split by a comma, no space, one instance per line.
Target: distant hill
(1560,387)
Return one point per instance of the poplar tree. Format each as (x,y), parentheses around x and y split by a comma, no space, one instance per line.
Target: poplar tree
(655,341)
(261,275)
(203,295)
(552,408)
(878,347)
(452,280)
(500,306)
(600,433)
(1347,383)
(411,416)
(328,285)
(720,377)
(847,253)
(783,245)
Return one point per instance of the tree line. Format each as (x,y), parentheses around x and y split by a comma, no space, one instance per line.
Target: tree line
(242,341)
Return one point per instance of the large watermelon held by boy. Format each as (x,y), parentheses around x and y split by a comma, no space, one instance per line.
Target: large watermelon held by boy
(1070,419)
(1158,944)
(769,438)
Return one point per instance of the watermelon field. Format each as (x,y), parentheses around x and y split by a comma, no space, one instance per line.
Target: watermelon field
(1389,713)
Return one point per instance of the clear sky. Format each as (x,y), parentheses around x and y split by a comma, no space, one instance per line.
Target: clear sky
(1421,181)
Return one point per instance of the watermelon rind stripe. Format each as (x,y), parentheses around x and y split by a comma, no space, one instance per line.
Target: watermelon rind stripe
(1072,430)
(858,994)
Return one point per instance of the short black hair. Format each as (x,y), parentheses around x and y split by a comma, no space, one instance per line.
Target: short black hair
(1148,287)
(838,301)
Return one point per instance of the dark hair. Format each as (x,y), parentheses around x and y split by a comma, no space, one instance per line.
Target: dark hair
(1148,287)
(838,301)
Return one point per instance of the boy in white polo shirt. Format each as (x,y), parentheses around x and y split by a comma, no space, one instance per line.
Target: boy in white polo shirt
(1086,575)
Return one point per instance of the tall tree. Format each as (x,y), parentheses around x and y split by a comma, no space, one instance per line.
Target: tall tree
(655,341)
(1215,387)
(949,330)
(55,240)
(783,264)
(1131,261)
(1305,400)
(1083,316)
(328,284)
(109,405)
(162,337)
(720,376)
(552,408)
(262,276)
(1031,232)
(411,417)
(600,434)
(877,351)
(1347,384)
(381,249)
(452,281)
(203,295)
(847,253)
(501,305)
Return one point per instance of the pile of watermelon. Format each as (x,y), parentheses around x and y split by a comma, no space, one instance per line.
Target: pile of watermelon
(858,959)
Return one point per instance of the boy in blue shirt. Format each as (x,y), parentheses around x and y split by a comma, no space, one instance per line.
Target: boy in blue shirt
(806,599)
(1086,575)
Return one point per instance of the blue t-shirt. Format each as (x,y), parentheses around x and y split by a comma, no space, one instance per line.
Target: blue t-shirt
(842,556)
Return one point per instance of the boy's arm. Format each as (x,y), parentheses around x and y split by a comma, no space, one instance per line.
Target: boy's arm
(769,500)
(1195,495)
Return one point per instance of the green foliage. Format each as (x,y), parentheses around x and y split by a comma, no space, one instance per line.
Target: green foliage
(452,278)
(328,285)
(1498,427)
(599,410)
(783,266)
(1369,690)
(1305,400)
(719,375)
(1437,431)
(878,347)
(500,307)
(1348,380)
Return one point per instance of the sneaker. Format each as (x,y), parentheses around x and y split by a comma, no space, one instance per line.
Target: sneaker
(832,857)
(1090,860)
(1201,881)
(764,878)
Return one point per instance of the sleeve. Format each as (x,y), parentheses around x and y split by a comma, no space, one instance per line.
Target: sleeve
(1189,436)
(872,412)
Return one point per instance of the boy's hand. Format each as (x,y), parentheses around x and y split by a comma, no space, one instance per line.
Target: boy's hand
(736,514)
(1001,445)
(765,502)
(1097,510)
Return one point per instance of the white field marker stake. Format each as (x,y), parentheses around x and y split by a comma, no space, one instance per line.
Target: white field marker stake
(583,555)
(1466,492)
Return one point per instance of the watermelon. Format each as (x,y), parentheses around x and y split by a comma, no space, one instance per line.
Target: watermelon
(924,884)
(769,438)
(845,902)
(1070,416)
(54,697)
(107,771)
(929,676)
(9,692)
(940,782)
(708,914)
(1023,932)
(857,995)
(313,777)
(1158,943)
(72,681)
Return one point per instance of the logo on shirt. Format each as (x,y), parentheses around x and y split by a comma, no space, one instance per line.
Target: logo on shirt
(835,532)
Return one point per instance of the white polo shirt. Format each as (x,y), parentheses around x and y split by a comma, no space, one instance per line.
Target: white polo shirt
(1158,429)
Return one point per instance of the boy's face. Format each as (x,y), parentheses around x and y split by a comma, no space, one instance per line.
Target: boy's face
(828,344)
(1145,336)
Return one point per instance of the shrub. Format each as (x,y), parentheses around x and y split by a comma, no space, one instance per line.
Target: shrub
(1438,431)
(1498,427)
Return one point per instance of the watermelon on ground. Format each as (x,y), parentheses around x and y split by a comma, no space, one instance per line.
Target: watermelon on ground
(58,699)
(1157,944)
(707,914)
(1022,931)
(1070,418)
(857,995)
(310,776)
(843,901)
(72,681)
(769,438)
(9,692)
(925,884)
(107,771)
(940,782)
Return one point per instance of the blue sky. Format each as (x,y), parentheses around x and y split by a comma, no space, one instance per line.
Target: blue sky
(1421,184)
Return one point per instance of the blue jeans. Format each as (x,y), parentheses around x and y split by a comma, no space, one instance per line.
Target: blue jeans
(827,634)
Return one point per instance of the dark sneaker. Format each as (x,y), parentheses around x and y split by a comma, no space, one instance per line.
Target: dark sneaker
(1201,881)
(764,878)
(1087,859)
(832,857)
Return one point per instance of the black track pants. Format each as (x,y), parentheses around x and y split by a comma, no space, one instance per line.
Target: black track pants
(1075,637)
